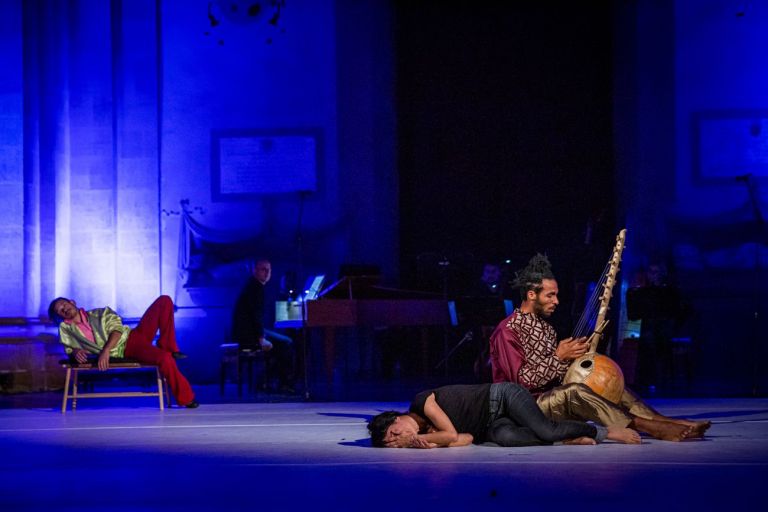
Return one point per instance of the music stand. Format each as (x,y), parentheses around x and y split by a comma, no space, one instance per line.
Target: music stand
(313,287)
(311,292)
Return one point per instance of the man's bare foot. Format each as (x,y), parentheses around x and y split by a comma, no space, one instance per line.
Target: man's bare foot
(623,435)
(698,428)
(584,440)
(664,430)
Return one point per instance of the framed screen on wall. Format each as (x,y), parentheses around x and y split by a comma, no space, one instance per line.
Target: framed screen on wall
(249,163)
(730,144)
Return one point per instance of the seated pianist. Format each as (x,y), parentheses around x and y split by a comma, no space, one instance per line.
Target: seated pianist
(248,329)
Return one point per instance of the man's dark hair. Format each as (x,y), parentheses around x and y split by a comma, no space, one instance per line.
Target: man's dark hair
(251,263)
(51,313)
(379,424)
(530,277)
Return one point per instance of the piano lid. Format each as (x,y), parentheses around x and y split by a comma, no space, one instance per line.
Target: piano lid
(367,287)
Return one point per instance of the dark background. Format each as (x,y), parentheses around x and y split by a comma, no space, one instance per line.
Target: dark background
(504,137)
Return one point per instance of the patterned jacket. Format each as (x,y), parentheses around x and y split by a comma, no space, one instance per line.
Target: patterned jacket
(523,351)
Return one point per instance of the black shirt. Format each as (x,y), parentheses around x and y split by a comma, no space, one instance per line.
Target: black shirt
(466,405)
(248,315)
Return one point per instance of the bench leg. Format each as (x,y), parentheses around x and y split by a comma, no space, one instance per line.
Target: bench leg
(222,376)
(160,388)
(239,376)
(66,391)
(265,375)
(74,389)
(250,376)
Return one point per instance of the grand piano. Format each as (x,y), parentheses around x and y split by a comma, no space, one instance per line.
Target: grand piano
(360,301)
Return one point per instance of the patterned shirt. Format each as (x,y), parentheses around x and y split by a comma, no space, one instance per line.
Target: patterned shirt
(523,350)
(83,326)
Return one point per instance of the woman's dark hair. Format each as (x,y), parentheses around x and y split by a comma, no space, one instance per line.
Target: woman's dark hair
(530,277)
(51,313)
(379,424)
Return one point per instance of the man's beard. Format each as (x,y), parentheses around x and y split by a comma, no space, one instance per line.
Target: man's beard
(540,310)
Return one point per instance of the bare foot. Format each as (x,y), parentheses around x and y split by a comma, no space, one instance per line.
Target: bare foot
(623,435)
(584,440)
(664,430)
(698,428)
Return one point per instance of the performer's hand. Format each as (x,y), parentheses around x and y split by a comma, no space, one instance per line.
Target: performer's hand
(572,348)
(81,356)
(402,441)
(266,346)
(419,442)
(104,361)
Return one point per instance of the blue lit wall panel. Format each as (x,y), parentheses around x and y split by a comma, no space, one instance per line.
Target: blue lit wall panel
(30,127)
(365,50)
(11,163)
(48,32)
(721,72)
(229,77)
(117,103)
(720,67)
(136,125)
(678,63)
(233,79)
(92,190)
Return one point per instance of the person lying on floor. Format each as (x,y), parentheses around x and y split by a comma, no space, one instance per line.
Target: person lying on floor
(504,413)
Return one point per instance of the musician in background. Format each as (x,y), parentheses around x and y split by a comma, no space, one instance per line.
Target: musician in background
(248,326)
(490,283)
(657,303)
(524,349)
(479,313)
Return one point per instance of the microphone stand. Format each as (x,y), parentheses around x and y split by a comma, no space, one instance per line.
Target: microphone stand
(302,294)
(444,265)
(467,337)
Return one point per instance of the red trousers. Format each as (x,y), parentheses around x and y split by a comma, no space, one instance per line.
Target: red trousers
(139,346)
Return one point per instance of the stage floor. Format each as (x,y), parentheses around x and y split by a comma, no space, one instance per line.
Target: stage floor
(128,455)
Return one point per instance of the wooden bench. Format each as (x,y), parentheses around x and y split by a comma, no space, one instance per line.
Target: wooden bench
(74,368)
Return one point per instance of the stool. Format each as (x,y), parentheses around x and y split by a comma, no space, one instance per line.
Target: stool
(233,356)
(115,364)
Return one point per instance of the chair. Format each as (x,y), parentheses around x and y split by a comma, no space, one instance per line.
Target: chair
(115,364)
(237,359)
